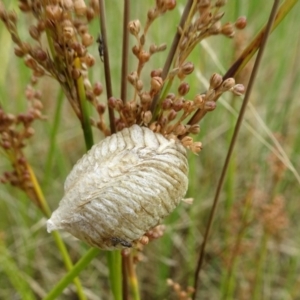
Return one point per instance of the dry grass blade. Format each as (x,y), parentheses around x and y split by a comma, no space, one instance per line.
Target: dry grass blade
(231,147)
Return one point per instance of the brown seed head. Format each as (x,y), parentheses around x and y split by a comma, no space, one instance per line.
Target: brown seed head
(156,84)
(98,89)
(228,30)
(227,84)
(241,22)
(134,27)
(238,89)
(183,88)
(87,39)
(215,81)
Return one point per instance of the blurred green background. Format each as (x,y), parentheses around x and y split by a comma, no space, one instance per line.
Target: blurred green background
(245,258)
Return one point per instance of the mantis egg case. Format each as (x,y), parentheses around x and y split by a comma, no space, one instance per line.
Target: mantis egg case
(123,187)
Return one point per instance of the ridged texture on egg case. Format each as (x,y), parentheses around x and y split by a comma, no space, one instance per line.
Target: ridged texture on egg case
(123,187)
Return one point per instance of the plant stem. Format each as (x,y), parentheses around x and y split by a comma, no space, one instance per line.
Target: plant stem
(113,258)
(134,284)
(256,290)
(232,144)
(85,120)
(67,279)
(173,50)
(126,17)
(58,240)
(106,65)
(114,261)
(53,133)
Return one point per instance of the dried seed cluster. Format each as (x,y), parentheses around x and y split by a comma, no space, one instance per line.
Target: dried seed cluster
(65,58)
(122,188)
(15,130)
(179,291)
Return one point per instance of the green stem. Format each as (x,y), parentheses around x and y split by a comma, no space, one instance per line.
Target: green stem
(70,276)
(85,119)
(259,269)
(53,134)
(58,240)
(114,261)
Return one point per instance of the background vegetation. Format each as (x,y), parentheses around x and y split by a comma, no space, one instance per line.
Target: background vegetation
(253,251)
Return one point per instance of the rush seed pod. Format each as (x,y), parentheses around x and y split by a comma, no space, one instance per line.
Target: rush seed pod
(123,187)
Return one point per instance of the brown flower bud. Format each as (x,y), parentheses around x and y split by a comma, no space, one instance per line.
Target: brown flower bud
(228,30)
(147,116)
(90,14)
(80,7)
(29,132)
(19,52)
(39,54)
(89,60)
(194,129)
(180,130)
(87,39)
(167,104)
(68,32)
(144,56)
(187,68)
(241,22)
(183,88)
(135,50)
(178,104)
(152,14)
(75,73)
(98,89)
(145,98)
(134,27)
(152,48)
(199,101)
(238,90)
(132,78)
(54,12)
(156,84)
(100,108)
(30,63)
(34,32)
(139,85)
(156,72)
(227,84)
(215,28)
(172,115)
(210,105)
(215,81)
(170,4)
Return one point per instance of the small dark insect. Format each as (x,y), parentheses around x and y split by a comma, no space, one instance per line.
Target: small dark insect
(100,47)
(115,241)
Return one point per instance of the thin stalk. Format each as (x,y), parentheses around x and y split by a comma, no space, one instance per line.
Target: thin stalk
(232,144)
(57,238)
(85,119)
(173,50)
(126,18)
(114,261)
(249,51)
(106,65)
(134,284)
(114,257)
(53,133)
(256,290)
(69,277)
